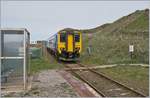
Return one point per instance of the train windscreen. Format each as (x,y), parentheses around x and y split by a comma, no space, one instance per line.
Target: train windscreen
(62,37)
(77,38)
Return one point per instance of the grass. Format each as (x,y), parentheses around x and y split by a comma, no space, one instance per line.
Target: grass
(110,45)
(133,76)
(141,23)
(42,63)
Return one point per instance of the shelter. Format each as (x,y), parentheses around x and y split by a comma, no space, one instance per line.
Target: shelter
(14,58)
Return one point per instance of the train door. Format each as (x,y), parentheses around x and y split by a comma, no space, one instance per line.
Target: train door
(70,43)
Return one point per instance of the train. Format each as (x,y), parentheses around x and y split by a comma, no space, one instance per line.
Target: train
(66,44)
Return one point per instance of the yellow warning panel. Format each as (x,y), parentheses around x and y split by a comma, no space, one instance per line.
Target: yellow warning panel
(70,43)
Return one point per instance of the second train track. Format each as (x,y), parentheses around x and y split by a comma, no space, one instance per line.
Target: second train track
(103,84)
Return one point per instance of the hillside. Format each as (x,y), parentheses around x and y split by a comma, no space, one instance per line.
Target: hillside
(110,42)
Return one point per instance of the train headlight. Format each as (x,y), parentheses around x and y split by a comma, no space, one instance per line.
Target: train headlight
(77,48)
(62,49)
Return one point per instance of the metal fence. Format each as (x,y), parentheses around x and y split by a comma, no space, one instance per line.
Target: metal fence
(14,58)
(36,52)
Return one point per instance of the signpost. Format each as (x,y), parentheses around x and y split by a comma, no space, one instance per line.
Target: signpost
(131,50)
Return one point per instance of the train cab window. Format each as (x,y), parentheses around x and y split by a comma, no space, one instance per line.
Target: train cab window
(77,38)
(62,37)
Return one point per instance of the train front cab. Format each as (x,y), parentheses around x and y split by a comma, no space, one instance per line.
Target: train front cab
(69,45)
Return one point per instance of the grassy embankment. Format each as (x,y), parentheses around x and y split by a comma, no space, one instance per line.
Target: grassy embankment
(110,42)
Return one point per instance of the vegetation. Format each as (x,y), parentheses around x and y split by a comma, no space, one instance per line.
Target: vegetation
(133,76)
(42,63)
(110,43)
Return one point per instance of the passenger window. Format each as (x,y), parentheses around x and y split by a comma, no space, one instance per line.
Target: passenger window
(62,37)
(77,38)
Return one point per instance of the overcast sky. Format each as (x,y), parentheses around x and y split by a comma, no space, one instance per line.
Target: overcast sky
(44,18)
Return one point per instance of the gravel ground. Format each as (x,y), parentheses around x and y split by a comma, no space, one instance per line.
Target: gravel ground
(48,83)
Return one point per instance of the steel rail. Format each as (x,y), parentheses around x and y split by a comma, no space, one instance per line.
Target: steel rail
(84,80)
(90,84)
(116,82)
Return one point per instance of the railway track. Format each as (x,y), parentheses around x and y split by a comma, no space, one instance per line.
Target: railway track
(103,84)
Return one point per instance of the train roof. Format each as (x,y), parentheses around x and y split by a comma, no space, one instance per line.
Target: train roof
(68,30)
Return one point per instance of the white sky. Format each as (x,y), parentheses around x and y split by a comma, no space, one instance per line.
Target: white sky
(44,18)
